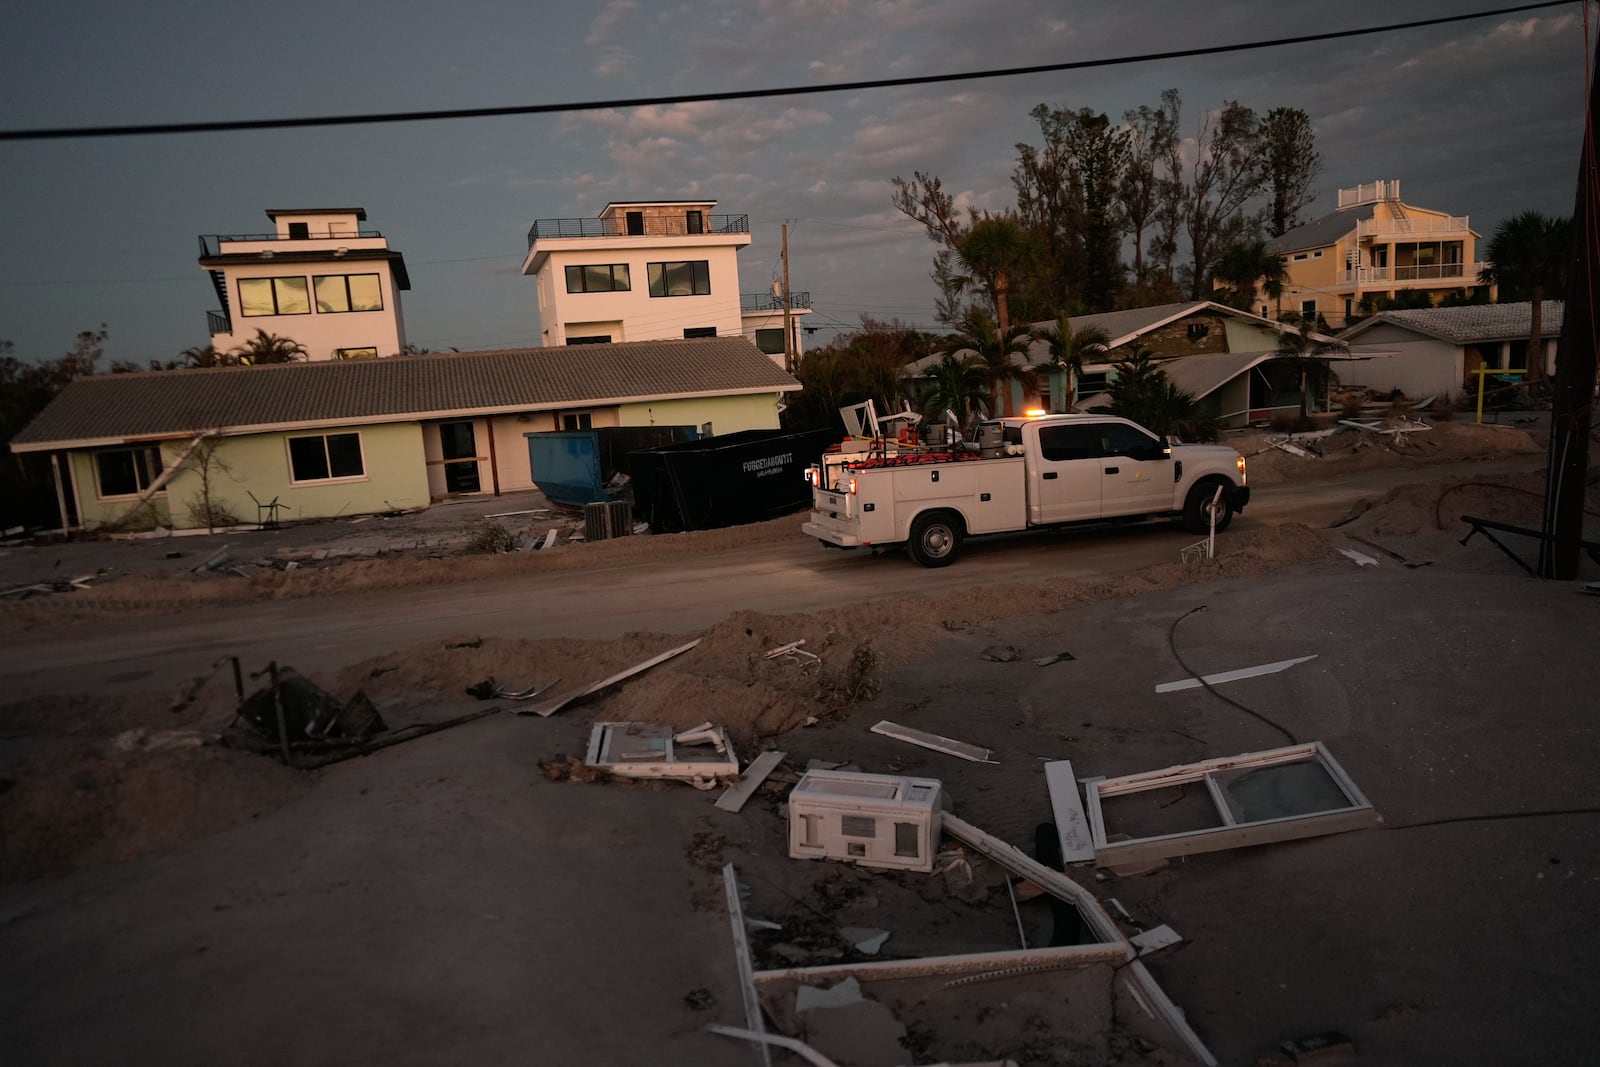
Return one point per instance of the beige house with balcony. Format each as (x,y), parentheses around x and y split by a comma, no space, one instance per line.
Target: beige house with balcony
(650,271)
(319,279)
(1374,246)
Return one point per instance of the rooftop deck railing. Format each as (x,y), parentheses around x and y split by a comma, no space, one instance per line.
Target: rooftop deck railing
(648,226)
(1394,227)
(211,243)
(768,302)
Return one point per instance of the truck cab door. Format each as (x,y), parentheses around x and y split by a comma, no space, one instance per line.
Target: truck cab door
(1136,470)
(1069,473)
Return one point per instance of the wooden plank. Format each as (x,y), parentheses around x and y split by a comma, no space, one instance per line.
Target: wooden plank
(1233,676)
(936,742)
(741,956)
(754,775)
(552,706)
(1071,823)
(972,963)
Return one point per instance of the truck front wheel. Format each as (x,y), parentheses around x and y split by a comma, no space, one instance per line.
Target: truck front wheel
(935,539)
(1197,507)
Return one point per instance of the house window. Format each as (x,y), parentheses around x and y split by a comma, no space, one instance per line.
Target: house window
(699,331)
(299,231)
(770,341)
(696,221)
(273,296)
(356,353)
(687,278)
(1308,309)
(1090,384)
(1299,256)
(325,457)
(590,339)
(598,278)
(1317,254)
(581,421)
(1197,331)
(126,471)
(348,292)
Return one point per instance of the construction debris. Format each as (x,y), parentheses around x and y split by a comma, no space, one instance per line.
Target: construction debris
(1361,559)
(489,689)
(551,707)
(935,742)
(1155,939)
(1281,794)
(55,585)
(1232,676)
(865,939)
(760,767)
(875,820)
(649,750)
(792,651)
(1072,826)
(1059,657)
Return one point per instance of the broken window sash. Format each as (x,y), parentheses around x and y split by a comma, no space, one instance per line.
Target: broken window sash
(1281,794)
(650,750)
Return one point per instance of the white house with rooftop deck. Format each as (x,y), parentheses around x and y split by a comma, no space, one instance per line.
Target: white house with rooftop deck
(648,271)
(319,279)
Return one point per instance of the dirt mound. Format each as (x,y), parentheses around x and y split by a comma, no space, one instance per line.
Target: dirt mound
(1439,504)
(1350,450)
(81,805)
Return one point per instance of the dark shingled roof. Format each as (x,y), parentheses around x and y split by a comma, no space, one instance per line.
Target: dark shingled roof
(115,407)
(1319,233)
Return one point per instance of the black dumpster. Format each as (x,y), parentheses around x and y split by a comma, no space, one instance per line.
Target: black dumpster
(727,480)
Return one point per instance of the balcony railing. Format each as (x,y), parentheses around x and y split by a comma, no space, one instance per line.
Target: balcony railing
(218,322)
(1369,193)
(1422,272)
(649,226)
(768,302)
(211,243)
(1396,227)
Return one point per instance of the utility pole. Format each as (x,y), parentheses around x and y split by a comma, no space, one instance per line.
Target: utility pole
(789,357)
(1572,396)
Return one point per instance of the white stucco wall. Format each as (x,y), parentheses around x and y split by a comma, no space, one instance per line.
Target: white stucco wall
(322,334)
(1416,367)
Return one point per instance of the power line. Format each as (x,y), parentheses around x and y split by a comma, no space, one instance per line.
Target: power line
(74,132)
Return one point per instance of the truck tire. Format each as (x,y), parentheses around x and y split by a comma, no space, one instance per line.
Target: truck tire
(935,539)
(1197,506)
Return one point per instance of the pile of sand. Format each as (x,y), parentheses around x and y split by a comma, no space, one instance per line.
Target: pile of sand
(1350,451)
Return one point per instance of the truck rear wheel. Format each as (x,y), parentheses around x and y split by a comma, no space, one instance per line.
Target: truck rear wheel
(935,539)
(1197,507)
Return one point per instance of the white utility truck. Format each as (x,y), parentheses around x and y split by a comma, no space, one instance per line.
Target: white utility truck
(1053,470)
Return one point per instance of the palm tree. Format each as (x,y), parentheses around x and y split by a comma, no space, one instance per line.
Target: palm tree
(958,384)
(1245,264)
(1296,347)
(268,348)
(1001,354)
(206,356)
(1528,259)
(995,248)
(1067,347)
(1142,392)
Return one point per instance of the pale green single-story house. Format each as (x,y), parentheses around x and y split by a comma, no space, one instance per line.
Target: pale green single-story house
(368,436)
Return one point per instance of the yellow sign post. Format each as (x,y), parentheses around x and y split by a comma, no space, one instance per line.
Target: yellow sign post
(1484,372)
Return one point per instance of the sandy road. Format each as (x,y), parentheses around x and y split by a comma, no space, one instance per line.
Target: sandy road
(687,593)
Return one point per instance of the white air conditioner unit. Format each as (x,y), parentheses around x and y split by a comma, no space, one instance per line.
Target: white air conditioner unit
(876,820)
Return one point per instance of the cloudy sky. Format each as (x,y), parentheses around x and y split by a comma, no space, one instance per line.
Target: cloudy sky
(1481,118)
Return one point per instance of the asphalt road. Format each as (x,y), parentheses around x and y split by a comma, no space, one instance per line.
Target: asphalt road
(681,594)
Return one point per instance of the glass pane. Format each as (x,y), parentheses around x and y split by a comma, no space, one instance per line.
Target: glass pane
(308,459)
(344,455)
(1172,809)
(149,466)
(1122,440)
(658,279)
(680,279)
(1061,444)
(574,279)
(770,341)
(457,441)
(619,277)
(331,295)
(255,297)
(1281,791)
(365,295)
(702,276)
(116,473)
(597,278)
(292,296)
